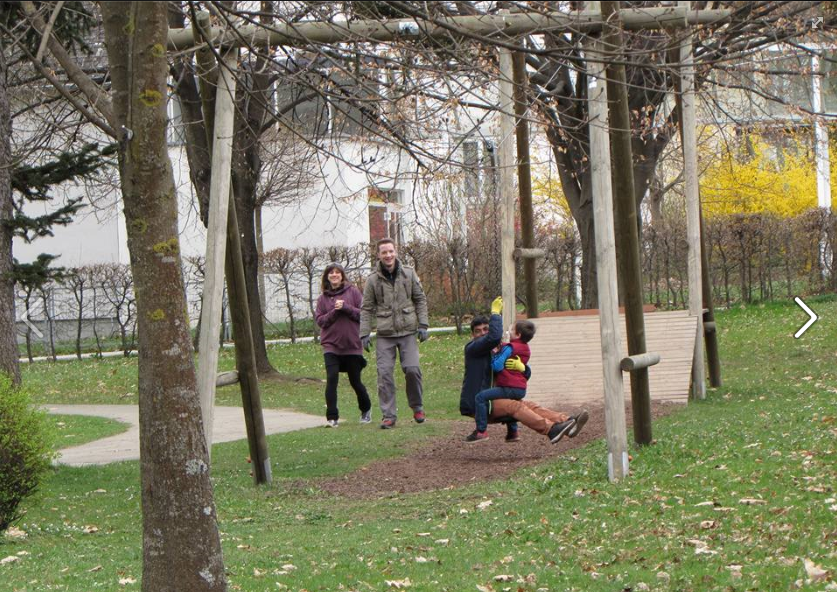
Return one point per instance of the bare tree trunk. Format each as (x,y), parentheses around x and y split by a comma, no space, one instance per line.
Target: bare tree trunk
(8,332)
(788,273)
(179,521)
(95,328)
(45,299)
(27,302)
(572,301)
(78,288)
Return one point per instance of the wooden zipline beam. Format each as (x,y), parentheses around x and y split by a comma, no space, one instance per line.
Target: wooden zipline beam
(502,26)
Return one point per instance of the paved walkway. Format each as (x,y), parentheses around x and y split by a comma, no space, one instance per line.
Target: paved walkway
(228,426)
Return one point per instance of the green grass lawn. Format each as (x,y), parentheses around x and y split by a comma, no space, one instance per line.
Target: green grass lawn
(72,430)
(737,493)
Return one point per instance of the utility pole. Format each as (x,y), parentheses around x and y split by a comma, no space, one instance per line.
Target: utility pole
(617,444)
(627,226)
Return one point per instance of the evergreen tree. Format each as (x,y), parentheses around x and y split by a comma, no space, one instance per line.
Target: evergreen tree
(71,25)
(33,183)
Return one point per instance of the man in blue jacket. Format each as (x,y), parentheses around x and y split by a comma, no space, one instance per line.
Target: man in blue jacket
(486,334)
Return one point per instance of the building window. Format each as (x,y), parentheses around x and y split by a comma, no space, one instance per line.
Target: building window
(385,215)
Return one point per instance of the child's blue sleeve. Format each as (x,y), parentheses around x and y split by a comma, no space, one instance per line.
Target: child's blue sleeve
(498,362)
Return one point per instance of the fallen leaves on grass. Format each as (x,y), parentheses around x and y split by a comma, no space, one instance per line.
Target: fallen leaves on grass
(814,572)
(701,548)
(15,533)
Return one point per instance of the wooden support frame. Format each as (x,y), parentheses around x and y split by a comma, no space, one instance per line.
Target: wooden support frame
(503,27)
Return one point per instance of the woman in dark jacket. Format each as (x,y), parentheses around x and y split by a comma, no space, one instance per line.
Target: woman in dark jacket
(338,315)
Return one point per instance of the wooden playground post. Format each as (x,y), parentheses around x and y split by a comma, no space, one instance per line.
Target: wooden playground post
(713,359)
(245,353)
(687,82)
(216,241)
(627,227)
(224,249)
(617,444)
(505,157)
(524,181)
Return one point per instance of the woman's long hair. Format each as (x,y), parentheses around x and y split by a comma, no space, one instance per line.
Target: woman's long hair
(325,284)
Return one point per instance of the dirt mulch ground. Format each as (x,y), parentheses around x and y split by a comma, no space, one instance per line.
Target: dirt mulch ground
(449,461)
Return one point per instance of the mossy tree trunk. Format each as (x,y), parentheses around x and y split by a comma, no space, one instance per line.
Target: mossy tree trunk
(181,543)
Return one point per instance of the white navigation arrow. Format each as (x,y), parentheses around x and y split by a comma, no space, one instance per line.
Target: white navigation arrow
(810,321)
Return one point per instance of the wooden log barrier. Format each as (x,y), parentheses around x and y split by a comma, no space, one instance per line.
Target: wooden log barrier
(639,361)
(226,378)
(520,253)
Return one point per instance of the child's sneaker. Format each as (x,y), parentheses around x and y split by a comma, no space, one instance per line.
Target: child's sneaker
(331,423)
(513,436)
(580,420)
(419,416)
(476,436)
(559,430)
(366,417)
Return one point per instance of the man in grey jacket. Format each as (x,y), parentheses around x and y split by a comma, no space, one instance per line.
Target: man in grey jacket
(394,298)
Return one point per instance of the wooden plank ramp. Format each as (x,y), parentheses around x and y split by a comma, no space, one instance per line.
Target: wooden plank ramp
(566,359)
